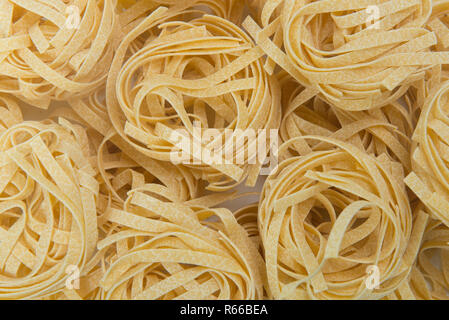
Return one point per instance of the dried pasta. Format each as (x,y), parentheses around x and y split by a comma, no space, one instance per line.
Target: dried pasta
(247,218)
(48,218)
(430,177)
(428,277)
(435,246)
(359,55)
(164,249)
(54,50)
(204,74)
(10,113)
(439,23)
(381,131)
(157,112)
(92,111)
(326,217)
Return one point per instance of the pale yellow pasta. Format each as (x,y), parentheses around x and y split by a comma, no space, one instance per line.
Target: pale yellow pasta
(54,50)
(428,279)
(419,90)
(159,111)
(89,282)
(124,160)
(358,55)
(430,177)
(166,249)
(327,217)
(435,247)
(10,113)
(201,74)
(48,219)
(231,10)
(117,175)
(439,23)
(247,218)
(407,289)
(380,131)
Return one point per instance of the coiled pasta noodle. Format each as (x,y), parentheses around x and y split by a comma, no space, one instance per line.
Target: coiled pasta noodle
(231,10)
(203,74)
(326,217)
(118,174)
(87,285)
(336,48)
(48,219)
(165,249)
(155,107)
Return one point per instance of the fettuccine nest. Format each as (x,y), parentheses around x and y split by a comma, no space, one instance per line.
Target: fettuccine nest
(326,217)
(202,74)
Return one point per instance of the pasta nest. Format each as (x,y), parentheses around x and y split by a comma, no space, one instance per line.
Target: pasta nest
(231,10)
(358,55)
(48,219)
(435,247)
(430,177)
(121,166)
(380,131)
(439,24)
(166,249)
(228,9)
(201,80)
(55,50)
(328,219)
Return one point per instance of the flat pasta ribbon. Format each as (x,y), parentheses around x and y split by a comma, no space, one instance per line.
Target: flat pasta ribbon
(435,247)
(118,161)
(439,23)
(134,10)
(247,218)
